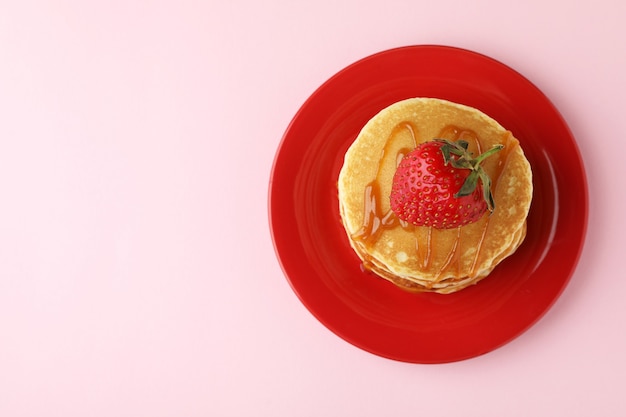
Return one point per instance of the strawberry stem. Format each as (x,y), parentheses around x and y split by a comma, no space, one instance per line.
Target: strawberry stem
(465,160)
(486,155)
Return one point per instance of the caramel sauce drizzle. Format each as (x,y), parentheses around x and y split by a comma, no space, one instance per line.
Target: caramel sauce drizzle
(424,252)
(502,163)
(454,257)
(375,221)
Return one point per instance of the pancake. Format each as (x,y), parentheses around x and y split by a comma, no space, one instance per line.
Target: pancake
(419,258)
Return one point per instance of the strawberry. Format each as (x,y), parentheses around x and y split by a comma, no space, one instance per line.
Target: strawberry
(440,184)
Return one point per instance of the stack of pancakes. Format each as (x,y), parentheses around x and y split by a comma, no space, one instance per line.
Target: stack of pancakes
(420,258)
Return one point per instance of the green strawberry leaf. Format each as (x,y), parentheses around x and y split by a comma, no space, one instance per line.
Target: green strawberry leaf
(469,185)
(456,154)
(484,178)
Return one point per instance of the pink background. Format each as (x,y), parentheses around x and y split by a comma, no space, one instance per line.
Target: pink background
(137,273)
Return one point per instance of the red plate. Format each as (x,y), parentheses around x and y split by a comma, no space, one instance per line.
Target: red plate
(368,311)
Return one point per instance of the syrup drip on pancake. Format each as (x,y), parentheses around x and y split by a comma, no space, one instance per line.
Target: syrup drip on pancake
(502,162)
(454,256)
(376,220)
(424,252)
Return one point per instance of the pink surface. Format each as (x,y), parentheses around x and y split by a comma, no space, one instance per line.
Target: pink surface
(137,273)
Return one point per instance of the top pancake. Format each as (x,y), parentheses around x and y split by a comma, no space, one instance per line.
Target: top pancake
(432,259)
